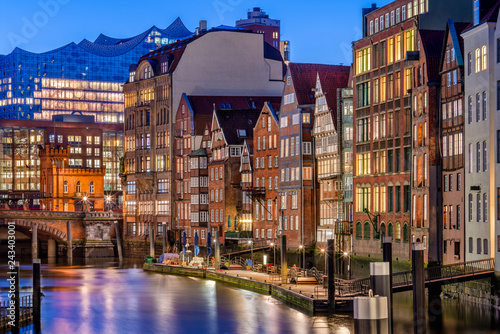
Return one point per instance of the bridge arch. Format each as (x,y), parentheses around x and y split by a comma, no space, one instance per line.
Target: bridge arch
(45,229)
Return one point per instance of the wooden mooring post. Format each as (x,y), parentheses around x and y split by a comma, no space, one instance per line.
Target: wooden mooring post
(37,295)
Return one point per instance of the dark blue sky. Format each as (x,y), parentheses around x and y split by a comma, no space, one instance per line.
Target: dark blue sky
(319,31)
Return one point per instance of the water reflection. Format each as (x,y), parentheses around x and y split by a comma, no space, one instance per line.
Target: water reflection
(103,297)
(107,297)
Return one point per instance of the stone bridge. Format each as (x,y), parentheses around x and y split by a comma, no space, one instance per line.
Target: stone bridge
(91,232)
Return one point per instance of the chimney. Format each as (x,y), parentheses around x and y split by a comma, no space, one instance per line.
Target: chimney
(203,25)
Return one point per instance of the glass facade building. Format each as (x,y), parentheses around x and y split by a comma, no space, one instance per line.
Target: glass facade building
(83,78)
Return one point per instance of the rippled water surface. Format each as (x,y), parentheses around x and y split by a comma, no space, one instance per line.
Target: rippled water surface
(104,297)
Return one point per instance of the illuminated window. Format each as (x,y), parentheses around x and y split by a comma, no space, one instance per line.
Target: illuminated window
(484,57)
(478,60)
(91,188)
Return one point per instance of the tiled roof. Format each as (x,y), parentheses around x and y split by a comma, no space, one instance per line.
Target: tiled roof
(330,82)
(304,78)
(175,50)
(231,121)
(203,106)
(432,42)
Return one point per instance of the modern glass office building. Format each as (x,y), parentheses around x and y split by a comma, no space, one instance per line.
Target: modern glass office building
(83,78)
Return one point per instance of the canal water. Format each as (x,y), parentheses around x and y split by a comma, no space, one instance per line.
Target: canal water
(105,297)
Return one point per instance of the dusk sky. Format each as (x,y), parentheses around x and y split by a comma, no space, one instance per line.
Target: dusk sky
(319,31)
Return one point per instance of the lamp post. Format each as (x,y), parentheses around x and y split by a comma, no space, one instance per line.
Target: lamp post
(107,200)
(301,247)
(348,265)
(84,203)
(274,255)
(251,245)
(324,253)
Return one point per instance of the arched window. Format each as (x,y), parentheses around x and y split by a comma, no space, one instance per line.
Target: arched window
(359,232)
(471,244)
(367,230)
(479,245)
(390,231)
(397,231)
(78,187)
(91,188)
(485,246)
(383,229)
(65,187)
(405,232)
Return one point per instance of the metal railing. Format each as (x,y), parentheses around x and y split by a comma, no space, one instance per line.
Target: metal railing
(405,279)
(25,311)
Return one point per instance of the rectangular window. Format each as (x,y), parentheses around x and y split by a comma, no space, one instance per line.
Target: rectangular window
(484,106)
(469,63)
(485,157)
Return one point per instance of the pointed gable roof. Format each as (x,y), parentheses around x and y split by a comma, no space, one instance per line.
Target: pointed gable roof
(203,106)
(330,83)
(230,121)
(455,31)
(432,43)
(304,78)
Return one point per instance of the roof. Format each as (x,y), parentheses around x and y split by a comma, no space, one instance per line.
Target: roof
(491,16)
(330,82)
(177,49)
(304,78)
(454,29)
(199,152)
(432,43)
(203,106)
(106,46)
(176,29)
(230,121)
(174,50)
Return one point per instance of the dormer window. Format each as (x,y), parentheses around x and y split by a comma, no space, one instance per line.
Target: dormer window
(147,72)
(131,76)
(164,67)
(242,133)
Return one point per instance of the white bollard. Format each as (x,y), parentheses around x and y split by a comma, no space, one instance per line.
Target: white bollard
(370,315)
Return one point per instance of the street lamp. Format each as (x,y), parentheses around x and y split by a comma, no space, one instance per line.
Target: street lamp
(85,203)
(250,242)
(324,253)
(108,201)
(300,251)
(274,255)
(348,265)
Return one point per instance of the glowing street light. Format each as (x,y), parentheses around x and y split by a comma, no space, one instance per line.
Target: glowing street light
(85,198)
(324,253)
(274,254)
(301,247)
(250,242)
(107,199)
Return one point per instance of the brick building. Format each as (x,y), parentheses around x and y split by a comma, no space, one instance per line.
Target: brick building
(201,65)
(298,188)
(87,147)
(191,195)
(230,129)
(70,189)
(328,152)
(391,80)
(265,175)
(452,143)
(258,21)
